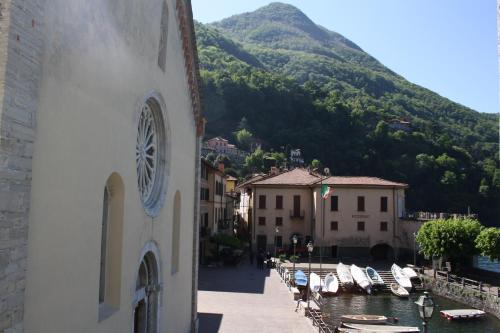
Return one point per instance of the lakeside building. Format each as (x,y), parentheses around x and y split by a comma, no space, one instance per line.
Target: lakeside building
(359,218)
(100,134)
(217,204)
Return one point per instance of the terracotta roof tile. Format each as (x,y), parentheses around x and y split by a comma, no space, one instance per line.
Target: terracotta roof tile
(360,181)
(294,177)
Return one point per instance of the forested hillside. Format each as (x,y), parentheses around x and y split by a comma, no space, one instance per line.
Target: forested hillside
(297,83)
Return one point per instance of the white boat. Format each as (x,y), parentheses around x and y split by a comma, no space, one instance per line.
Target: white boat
(410,273)
(361,279)
(400,277)
(315,282)
(374,278)
(300,278)
(331,283)
(364,319)
(462,314)
(381,328)
(398,290)
(345,277)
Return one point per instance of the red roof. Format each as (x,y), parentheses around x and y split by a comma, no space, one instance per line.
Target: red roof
(303,177)
(361,181)
(294,177)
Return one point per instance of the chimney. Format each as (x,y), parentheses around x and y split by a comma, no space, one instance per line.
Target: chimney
(221,167)
(274,171)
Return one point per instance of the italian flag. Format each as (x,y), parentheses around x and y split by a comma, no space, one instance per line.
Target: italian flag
(325,191)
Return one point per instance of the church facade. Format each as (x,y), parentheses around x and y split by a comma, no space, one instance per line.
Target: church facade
(100,127)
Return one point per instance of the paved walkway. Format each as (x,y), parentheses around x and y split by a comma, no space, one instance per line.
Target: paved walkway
(244,299)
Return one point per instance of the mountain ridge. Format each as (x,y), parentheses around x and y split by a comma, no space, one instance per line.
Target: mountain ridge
(304,88)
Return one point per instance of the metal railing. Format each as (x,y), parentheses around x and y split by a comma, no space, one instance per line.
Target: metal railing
(297,214)
(425,216)
(466,283)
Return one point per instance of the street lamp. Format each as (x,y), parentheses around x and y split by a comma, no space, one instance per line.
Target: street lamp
(276,242)
(425,308)
(294,240)
(310,249)
(414,249)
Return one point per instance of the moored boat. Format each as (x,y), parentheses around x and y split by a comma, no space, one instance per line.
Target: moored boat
(360,278)
(409,272)
(364,319)
(315,282)
(331,283)
(462,314)
(381,328)
(399,291)
(300,278)
(400,277)
(345,277)
(374,278)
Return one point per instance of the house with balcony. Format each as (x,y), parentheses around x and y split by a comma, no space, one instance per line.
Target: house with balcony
(359,218)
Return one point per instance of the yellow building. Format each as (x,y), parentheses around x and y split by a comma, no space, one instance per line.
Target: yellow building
(359,218)
(100,131)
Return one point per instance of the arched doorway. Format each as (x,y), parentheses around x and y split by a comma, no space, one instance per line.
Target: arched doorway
(147,295)
(382,252)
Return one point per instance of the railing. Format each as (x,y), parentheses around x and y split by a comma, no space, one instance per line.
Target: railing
(224,224)
(466,283)
(297,214)
(425,216)
(205,231)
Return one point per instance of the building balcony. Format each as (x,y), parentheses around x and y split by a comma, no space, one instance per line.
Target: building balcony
(205,232)
(297,214)
(224,224)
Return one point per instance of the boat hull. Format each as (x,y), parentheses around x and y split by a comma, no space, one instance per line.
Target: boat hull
(400,277)
(381,328)
(364,319)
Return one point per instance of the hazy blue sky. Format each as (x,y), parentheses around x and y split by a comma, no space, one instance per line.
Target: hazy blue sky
(448,46)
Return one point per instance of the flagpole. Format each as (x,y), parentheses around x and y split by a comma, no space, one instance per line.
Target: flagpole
(322,228)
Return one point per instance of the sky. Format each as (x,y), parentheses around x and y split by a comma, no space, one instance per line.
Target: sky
(448,46)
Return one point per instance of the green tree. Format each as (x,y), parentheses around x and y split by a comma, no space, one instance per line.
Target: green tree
(452,239)
(488,243)
(244,138)
(255,161)
(315,164)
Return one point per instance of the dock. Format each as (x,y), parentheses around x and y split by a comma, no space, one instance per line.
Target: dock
(386,276)
(462,314)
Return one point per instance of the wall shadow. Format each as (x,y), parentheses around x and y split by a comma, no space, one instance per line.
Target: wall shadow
(240,279)
(209,322)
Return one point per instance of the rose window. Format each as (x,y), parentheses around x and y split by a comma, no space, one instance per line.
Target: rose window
(149,155)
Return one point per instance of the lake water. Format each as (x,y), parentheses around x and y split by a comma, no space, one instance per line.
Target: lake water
(486,264)
(406,310)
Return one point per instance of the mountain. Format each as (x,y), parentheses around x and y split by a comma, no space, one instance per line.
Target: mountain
(297,83)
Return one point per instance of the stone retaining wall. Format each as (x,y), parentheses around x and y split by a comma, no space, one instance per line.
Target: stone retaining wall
(472,298)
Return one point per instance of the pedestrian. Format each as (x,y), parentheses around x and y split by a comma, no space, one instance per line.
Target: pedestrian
(260,262)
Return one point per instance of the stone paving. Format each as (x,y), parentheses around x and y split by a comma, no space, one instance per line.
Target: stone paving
(244,299)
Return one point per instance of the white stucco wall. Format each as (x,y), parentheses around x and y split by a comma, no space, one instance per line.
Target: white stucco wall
(100,61)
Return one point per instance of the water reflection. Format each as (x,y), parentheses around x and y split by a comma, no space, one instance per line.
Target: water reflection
(407,312)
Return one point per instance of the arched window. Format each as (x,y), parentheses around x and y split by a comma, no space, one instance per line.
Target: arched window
(162,51)
(111,247)
(147,295)
(176,232)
